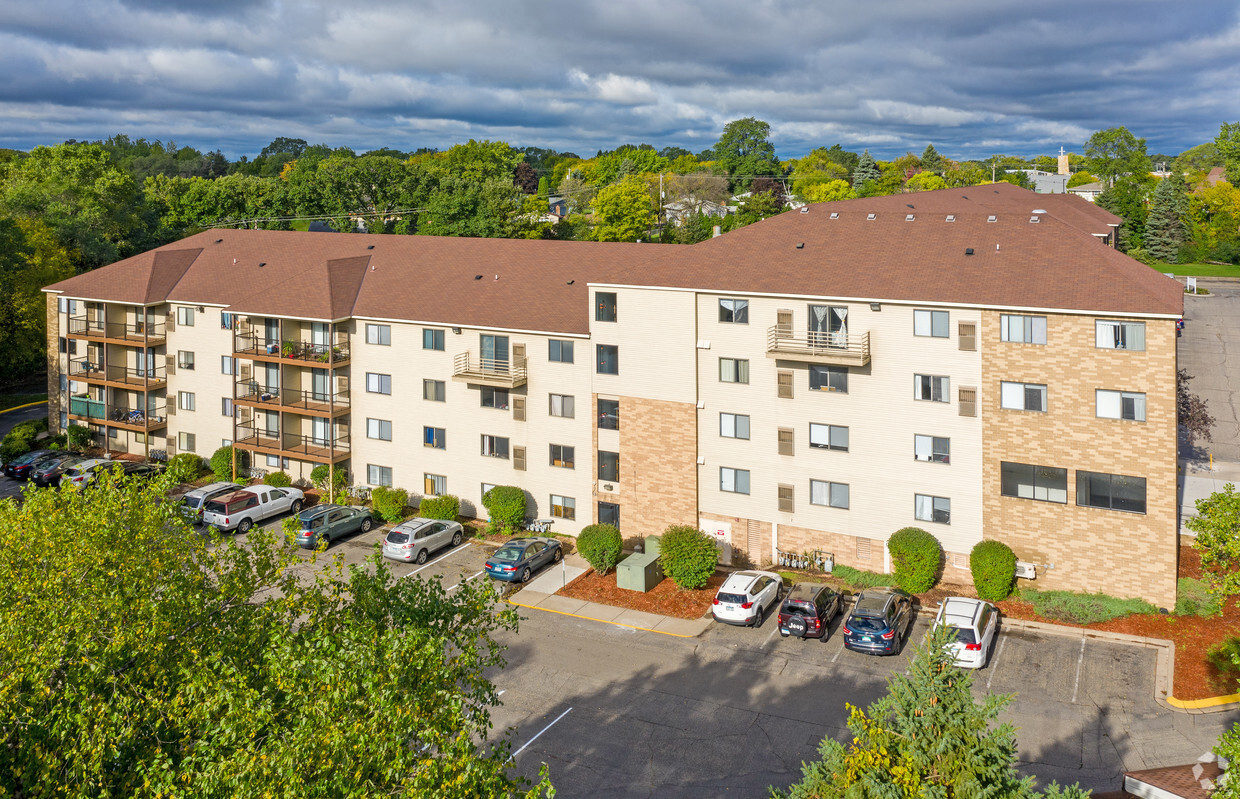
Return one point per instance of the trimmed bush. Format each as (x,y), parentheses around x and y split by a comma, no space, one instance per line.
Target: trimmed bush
(1193,598)
(15,445)
(278,480)
(78,436)
(915,557)
(688,555)
(442,507)
(993,564)
(184,467)
(506,507)
(600,545)
(1226,658)
(319,475)
(859,579)
(390,502)
(1077,608)
(221,463)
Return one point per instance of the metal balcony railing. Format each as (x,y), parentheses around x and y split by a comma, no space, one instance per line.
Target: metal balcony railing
(142,418)
(128,375)
(290,398)
(819,347)
(303,351)
(134,332)
(293,444)
(507,372)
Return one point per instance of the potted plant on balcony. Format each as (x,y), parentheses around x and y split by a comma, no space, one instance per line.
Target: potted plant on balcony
(286,349)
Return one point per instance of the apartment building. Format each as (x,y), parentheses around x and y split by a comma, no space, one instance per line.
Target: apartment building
(978,362)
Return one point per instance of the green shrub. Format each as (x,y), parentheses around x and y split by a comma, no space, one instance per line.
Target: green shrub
(184,467)
(319,475)
(278,480)
(993,564)
(15,445)
(915,558)
(600,545)
(1077,608)
(222,463)
(58,441)
(506,507)
(390,502)
(688,555)
(860,579)
(1193,598)
(78,436)
(1226,658)
(442,507)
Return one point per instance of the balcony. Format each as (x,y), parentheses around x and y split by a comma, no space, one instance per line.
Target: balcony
(251,393)
(132,334)
(258,347)
(469,368)
(124,417)
(118,376)
(838,349)
(292,445)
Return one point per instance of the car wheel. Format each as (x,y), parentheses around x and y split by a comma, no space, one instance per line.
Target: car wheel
(525,575)
(421,558)
(367,524)
(456,538)
(244,526)
(558,556)
(757,620)
(296,506)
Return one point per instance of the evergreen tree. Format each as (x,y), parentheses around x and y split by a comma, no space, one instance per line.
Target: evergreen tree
(928,737)
(931,161)
(1128,198)
(1164,229)
(866,172)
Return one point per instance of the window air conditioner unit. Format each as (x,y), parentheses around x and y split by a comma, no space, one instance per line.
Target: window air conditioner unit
(1026,571)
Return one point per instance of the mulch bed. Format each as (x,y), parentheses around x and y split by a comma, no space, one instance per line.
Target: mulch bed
(665,599)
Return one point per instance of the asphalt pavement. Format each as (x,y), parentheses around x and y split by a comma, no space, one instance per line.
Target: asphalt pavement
(1209,350)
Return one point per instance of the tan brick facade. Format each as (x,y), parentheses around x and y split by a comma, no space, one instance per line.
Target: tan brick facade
(1092,549)
(658,476)
(53,365)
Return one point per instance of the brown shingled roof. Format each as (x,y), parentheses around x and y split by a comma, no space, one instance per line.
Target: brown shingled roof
(1184,781)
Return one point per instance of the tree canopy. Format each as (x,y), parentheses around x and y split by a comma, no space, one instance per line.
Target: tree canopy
(1114,152)
(744,151)
(1228,145)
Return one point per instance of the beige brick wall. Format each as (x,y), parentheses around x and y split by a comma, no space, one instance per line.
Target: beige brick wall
(53,365)
(658,472)
(1092,549)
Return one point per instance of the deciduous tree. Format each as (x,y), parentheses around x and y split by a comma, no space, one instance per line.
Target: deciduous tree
(1228,145)
(925,181)
(1217,527)
(623,211)
(743,150)
(1114,152)
(1191,411)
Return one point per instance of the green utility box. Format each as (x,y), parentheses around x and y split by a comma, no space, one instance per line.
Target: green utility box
(641,571)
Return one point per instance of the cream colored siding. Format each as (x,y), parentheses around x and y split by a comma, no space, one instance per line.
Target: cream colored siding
(655,334)
(208,341)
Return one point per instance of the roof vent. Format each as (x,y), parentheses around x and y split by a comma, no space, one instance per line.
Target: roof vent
(909,217)
(992,219)
(964,196)
(217,241)
(872,217)
(477,277)
(1039,210)
(370,246)
(800,245)
(571,282)
(951,217)
(1033,220)
(910,205)
(805,209)
(835,215)
(262,263)
(968,250)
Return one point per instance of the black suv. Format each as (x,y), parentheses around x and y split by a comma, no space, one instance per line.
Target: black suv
(808,610)
(879,621)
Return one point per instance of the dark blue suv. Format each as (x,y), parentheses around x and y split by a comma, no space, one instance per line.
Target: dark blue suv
(879,621)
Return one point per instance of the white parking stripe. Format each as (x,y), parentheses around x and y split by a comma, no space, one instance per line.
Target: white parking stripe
(1079,660)
(467,579)
(540,732)
(772,635)
(837,653)
(436,560)
(994,661)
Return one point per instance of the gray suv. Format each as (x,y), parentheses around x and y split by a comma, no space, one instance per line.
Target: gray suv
(414,540)
(193,502)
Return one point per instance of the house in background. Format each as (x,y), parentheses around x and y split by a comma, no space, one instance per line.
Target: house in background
(1088,191)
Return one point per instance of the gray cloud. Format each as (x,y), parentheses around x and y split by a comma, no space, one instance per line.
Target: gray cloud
(972,77)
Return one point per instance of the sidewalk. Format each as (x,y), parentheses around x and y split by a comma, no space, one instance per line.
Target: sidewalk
(540,594)
(1197,481)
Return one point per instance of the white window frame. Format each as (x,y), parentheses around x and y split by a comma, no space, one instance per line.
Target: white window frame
(1009,392)
(837,495)
(186,401)
(932,449)
(1022,329)
(376,428)
(828,436)
(1118,334)
(1114,405)
(563,507)
(927,508)
(377,382)
(932,388)
(439,481)
(932,324)
(734,425)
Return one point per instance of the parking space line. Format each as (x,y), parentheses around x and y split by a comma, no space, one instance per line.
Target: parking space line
(837,653)
(467,579)
(1079,661)
(769,637)
(994,661)
(436,560)
(540,732)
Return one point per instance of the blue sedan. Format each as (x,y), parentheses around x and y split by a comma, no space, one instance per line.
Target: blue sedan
(517,560)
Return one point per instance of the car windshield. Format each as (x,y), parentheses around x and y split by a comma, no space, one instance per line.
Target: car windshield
(964,635)
(509,554)
(214,506)
(734,599)
(397,538)
(868,624)
(193,503)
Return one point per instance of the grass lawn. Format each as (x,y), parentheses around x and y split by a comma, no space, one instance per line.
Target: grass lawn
(13,400)
(1200,270)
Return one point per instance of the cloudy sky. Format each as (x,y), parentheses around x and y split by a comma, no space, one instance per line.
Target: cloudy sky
(974,77)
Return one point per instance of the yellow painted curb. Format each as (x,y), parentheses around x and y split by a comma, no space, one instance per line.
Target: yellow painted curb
(27,405)
(1197,704)
(602,621)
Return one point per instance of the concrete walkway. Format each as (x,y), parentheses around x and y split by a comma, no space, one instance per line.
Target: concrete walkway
(1197,480)
(540,594)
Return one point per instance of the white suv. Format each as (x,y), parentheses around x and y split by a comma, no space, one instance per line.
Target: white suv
(976,623)
(746,597)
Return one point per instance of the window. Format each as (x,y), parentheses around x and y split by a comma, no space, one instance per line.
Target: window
(228,365)
(828,378)
(931,323)
(434,437)
(432,339)
(787,499)
(733,370)
(828,436)
(185,316)
(273,461)
(732,425)
(64,344)
(604,306)
(1120,405)
(1112,491)
(185,400)
(562,405)
(185,360)
(1120,335)
(226,406)
(608,359)
(186,442)
(932,509)
(226,320)
(378,384)
(1043,483)
(734,311)
(562,456)
(380,429)
(560,351)
(378,475)
(563,507)
(434,485)
(494,446)
(495,398)
(609,466)
(783,385)
(608,414)
(1023,396)
(832,495)
(433,390)
(1022,329)
(932,448)
(934,388)
(379,334)
(609,513)
(485,488)
(735,481)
